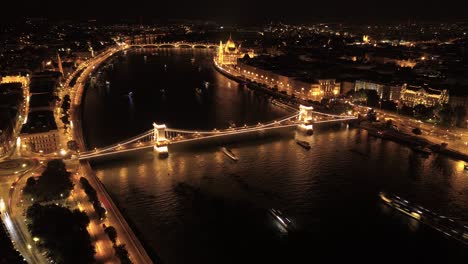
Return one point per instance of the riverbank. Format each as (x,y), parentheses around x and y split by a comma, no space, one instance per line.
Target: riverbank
(115,218)
(287,101)
(413,141)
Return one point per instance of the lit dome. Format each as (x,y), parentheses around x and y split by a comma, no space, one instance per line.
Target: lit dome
(230,45)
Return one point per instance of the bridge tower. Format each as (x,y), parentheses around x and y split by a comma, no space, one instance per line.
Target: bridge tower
(305,117)
(160,140)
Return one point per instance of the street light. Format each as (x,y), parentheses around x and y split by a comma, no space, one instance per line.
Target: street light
(2,205)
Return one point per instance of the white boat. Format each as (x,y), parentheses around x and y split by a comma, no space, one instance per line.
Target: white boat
(280,218)
(229,153)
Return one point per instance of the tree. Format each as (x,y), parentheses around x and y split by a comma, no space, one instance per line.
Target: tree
(446,115)
(54,183)
(460,116)
(360,95)
(72,145)
(372,115)
(389,105)
(122,253)
(372,98)
(422,112)
(62,232)
(93,198)
(65,119)
(338,107)
(30,185)
(406,110)
(66,103)
(56,165)
(419,111)
(389,124)
(416,131)
(112,233)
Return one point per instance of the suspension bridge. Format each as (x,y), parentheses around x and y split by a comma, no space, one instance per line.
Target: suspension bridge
(175,45)
(160,137)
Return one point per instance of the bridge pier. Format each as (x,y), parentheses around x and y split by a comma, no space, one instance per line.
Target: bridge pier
(305,116)
(160,140)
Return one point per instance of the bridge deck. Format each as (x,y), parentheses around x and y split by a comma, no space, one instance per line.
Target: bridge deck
(177,136)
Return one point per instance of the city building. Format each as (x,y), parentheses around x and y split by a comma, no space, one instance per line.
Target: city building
(40,133)
(44,82)
(415,95)
(229,53)
(324,88)
(11,99)
(368,85)
(392,93)
(460,101)
(24,80)
(6,131)
(386,92)
(44,101)
(305,88)
(347,86)
(455,101)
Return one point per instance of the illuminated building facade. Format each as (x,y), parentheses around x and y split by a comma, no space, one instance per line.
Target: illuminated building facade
(40,133)
(229,53)
(326,88)
(45,142)
(459,101)
(366,85)
(16,79)
(384,91)
(414,95)
(309,90)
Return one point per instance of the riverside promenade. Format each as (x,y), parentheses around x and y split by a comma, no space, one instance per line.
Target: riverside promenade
(125,234)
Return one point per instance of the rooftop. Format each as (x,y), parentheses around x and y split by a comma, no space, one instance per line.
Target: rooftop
(44,100)
(39,122)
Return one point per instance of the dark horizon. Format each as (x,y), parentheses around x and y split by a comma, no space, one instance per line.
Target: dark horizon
(246,12)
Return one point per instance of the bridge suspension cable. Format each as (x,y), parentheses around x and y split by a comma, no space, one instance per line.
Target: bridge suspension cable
(229,130)
(126,142)
(172,135)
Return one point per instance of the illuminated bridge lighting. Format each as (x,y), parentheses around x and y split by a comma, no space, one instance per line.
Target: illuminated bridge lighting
(163,136)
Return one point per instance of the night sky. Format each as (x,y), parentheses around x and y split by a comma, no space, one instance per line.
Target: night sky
(246,11)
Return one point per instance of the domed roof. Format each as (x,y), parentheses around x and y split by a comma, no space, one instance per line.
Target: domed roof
(230,44)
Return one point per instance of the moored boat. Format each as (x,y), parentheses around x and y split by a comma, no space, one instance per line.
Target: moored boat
(303,144)
(229,153)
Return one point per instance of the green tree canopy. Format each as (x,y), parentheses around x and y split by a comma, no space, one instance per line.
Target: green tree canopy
(54,183)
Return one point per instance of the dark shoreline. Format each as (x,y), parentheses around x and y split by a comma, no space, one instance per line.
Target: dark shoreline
(151,253)
(149,250)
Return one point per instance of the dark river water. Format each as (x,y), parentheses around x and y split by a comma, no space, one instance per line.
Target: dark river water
(219,214)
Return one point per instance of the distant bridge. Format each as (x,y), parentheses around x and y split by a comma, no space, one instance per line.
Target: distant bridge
(176,45)
(160,137)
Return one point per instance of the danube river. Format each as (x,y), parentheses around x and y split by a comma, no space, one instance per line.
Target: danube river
(198,206)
